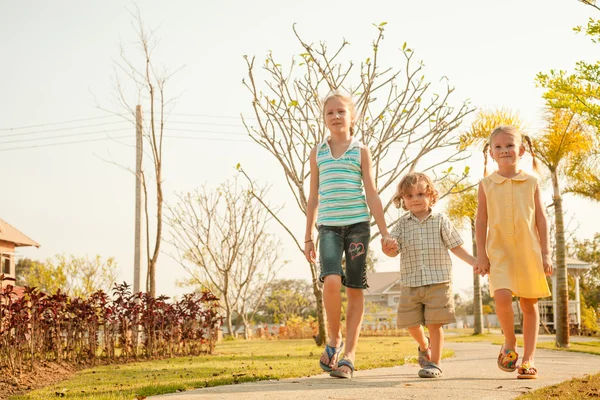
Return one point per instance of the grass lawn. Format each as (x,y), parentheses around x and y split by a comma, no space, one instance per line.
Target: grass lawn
(244,361)
(234,362)
(575,389)
(588,387)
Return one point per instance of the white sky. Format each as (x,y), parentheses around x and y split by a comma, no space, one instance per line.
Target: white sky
(57,64)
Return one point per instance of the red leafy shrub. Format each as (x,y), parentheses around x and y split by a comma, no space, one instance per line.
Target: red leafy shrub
(38,327)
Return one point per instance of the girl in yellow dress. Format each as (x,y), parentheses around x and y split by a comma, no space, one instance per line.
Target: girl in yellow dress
(512,244)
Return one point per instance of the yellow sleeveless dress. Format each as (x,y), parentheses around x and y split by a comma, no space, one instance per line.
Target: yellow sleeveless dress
(513,245)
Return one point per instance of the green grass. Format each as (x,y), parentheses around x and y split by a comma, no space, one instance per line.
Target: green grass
(575,346)
(233,362)
(575,389)
(244,361)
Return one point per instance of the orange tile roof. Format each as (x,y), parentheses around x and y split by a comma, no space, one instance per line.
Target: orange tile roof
(9,233)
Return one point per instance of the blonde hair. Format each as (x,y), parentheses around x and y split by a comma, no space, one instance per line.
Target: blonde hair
(410,181)
(347,100)
(512,131)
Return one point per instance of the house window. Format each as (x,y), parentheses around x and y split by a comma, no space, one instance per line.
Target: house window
(5,261)
(396,299)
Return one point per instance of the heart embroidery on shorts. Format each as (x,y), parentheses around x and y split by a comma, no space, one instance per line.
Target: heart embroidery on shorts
(356,249)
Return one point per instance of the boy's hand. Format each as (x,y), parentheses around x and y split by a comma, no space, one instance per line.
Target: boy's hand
(389,246)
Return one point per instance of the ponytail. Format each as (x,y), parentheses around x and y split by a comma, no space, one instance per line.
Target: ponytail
(529,143)
(485,158)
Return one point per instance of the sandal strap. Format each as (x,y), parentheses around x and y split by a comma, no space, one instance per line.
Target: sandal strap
(347,362)
(431,365)
(331,351)
(526,367)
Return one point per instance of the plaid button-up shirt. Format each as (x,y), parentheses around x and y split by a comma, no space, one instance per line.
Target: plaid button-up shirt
(423,245)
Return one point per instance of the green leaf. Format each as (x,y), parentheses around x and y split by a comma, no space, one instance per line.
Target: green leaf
(383,24)
(238,166)
(293,103)
(404,46)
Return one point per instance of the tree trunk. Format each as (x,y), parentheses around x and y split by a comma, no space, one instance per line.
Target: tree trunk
(562,283)
(322,334)
(247,333)
(477,304)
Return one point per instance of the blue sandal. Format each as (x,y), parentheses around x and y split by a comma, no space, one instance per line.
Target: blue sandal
(339,374)
(331,351)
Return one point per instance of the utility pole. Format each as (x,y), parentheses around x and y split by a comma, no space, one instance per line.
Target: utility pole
(137,259)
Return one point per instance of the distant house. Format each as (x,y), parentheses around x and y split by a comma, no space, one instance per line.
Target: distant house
(11,238)
(575,268)
(381,299)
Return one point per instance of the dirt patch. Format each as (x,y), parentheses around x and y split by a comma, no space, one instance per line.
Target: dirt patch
(44,374)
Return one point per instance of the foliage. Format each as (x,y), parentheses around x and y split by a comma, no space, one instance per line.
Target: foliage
(286,299)
(485,122)
(74,276)
(579,93)
(222,242)
(40,327)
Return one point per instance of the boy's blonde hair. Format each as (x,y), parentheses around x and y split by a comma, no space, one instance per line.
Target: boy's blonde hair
(512,131)
(347,100)
(410,181)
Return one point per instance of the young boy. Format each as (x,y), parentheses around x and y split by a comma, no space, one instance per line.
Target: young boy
(423,238)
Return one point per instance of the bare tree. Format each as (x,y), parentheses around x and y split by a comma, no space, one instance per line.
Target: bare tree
(149,83)
(400,118)
(222,242)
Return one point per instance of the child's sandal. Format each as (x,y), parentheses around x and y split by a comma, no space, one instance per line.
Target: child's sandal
(527,371)
(424,357)
(507,360)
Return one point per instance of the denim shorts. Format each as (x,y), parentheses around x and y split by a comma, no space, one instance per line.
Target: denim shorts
(351,241)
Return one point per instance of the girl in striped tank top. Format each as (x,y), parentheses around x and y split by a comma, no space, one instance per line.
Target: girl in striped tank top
(342,192)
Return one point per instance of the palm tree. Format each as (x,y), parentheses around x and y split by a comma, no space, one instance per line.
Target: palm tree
(562,145)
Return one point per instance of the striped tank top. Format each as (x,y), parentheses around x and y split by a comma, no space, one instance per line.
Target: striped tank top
(341,197)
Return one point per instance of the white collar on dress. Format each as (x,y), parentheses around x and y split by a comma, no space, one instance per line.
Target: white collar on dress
(497,178)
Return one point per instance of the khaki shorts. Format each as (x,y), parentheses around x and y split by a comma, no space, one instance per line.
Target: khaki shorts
(424,305)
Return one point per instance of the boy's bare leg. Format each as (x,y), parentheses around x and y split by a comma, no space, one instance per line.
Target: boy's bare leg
(418,334)
(436,335)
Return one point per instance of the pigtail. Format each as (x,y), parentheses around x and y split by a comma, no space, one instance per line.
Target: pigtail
(485,158)
(352,130)
(530,144)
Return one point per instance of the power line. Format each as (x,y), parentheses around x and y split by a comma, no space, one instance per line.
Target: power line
(62,129)
(116,130)
(64,143)
(61,122)
(211,116)
(64,136)
(122,137)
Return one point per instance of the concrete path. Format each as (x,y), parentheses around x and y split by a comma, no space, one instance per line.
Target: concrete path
(471,374)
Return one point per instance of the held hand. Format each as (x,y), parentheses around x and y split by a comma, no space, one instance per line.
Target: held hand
(310,253)
(547,263)
(482,265)
(389,246)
